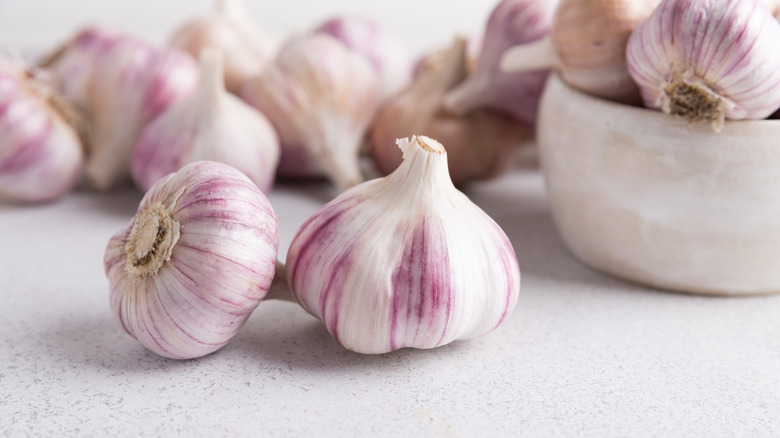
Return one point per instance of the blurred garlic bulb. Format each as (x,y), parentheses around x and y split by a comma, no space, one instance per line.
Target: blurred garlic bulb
(681,71)
(321,99)
(404,261)
(132,84)
(587,45)
(210,124)
(383,49)
(41,156)
(512,22)
(194,262)
(480,144)
(245,48)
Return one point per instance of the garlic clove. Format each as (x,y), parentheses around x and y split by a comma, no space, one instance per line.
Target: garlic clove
(321,98)
(481,144)
(671,58)
(194,262)
(41,156)
(404,261)
(383,49)
(512,22)
(210,124)
(245,47)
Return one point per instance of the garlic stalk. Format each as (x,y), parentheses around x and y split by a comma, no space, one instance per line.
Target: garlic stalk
(512,22)
(321,98)
(480,144)
(404,261)
(245,47)
(41,156)
(194,262)
(587,45)
(210,124)
(679,69)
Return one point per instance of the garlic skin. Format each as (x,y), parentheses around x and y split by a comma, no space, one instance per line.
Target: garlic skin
(671,58)
(210,124)
(132,84)
(512,22)
(41,156)
(404,261)
(194,262)
(480,144)
(245,47)
(383,49)
(321,98)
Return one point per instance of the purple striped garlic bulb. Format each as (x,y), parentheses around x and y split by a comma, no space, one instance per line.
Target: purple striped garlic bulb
(210,124)
(708,60)
(194,262)
(41,155)
(321,98)
(404,261)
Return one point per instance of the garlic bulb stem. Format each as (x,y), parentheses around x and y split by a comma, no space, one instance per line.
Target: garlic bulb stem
(536,55)
(212,78)
(280,289)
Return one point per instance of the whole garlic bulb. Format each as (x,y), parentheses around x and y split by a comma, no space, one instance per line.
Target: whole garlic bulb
(587,45)
(41,156)
(679,69)
(383,49)
(229,29)
(321,98)
(132,84)
(210,124)
(480,144)
(194,262)
(512,22)
(404,261)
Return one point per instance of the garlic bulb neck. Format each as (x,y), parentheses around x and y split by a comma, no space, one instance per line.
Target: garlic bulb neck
(152,239)
(423,170)
(211,84)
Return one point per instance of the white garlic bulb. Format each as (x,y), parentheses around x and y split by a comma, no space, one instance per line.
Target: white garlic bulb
(194,262)
(321,99)
(404,261)
(229,29)
(41,156)
(708,60)
(210,124)
(132,84)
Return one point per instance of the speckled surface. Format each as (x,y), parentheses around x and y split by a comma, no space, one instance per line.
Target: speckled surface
(582,355)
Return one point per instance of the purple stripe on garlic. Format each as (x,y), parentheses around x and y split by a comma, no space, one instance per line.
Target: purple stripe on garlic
(708,60)
(404,261)
(194,262)
(210,124)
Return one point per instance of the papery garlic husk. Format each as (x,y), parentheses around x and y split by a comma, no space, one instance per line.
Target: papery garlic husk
(132,84)
(480,144)
(512,22)
(229,29)
(383,49)
(194,262)
(587,45)
(211,124)
(404,261)
(321,98)
(708,60)
(41,156)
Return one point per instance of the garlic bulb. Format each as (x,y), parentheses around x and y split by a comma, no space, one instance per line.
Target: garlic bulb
(404,261)
(380,47)
(679,70)
(132,84)
(193,263)
(321,98)
(587,44)
(511,22)
(41,157)
(210,125)
(246,49)
(480,144)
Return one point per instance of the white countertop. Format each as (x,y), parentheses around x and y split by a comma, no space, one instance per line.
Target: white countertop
(582,355)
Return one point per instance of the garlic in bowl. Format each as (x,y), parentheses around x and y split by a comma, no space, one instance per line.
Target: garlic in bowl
(661,201)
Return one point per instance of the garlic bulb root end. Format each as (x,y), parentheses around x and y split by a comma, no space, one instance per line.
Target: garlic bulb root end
(693,100)
(151,241)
